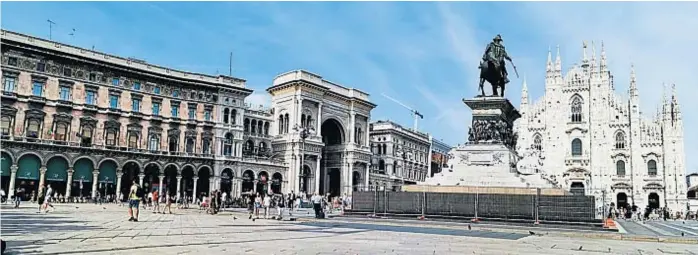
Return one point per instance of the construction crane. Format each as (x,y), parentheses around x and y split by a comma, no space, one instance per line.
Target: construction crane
(415,113)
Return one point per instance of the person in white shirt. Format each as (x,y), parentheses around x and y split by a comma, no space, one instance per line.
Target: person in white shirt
(267,205)
(317,204)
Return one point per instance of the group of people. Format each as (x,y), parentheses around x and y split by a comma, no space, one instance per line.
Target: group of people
(633,212)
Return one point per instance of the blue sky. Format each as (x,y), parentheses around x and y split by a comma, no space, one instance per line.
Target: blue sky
(424,54)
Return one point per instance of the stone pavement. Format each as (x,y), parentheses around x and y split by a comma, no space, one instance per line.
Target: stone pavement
(94,229)
(689,228)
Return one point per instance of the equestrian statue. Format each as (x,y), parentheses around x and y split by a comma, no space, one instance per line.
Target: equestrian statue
(493,68)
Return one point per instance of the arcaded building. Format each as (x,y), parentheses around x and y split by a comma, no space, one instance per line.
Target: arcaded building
(87,122)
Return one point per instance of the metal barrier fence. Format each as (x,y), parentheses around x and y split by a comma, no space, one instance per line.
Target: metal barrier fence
(510,207)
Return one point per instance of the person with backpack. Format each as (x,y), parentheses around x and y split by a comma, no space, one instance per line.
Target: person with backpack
(134,198)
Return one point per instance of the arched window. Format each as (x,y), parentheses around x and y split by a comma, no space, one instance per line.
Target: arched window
(262,148)
(247,125)
(576,109)
(308,121)
(133,141)
(33,128)
(620,168)
(226,115)
(260,127)
(190,144)
(61,131)
(266,128)
(253,126)
(154,143)
(303,120)
(576,147)
(381,166)
(110,139)
(249,147)
(173,143)
(620,140)
(652,167)
(228,144)
(537,142)
(286,123)
(385,149)
(233,116)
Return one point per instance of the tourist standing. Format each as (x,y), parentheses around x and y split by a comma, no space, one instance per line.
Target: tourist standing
(156,201)
(134,199)
(18,196)
(267,205)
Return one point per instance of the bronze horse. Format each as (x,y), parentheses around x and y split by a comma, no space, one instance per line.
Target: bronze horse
(489,73)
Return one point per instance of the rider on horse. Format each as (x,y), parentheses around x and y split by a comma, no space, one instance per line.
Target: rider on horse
(495,54)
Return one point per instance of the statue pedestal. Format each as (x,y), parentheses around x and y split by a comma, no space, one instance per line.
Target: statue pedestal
(489,157)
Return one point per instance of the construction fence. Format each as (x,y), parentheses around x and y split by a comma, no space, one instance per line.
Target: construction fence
(535,207)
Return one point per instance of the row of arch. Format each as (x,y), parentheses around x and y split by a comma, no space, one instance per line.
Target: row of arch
(151,176)
(651,168)
(230,116)
(256,126)
(577,143)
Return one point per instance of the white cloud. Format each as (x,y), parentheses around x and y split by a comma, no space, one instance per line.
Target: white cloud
(258,98)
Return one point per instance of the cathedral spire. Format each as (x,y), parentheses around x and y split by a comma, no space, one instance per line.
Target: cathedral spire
(603,59)
(549,63)
(593,58)
(675,110)
(633,82)
(524,91)
(558,62)
(585,59)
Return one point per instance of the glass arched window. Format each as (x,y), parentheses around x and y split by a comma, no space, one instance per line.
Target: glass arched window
(537,142)
(266,128)
(228,145)
(620,168)
(154,143)
(61,131)
(233,116)
(286,123)
(133,141)
(620,140)
(576,110)
(576,147)
(381,166)
(652,167)
(253,126)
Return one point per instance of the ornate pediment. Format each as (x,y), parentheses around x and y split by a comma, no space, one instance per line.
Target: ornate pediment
(154,129)
(134,127)
(112,124)
(569,131)
(88,121)
(207,134)
(621,185)
(653,185)
(190,133)
(649,154)
(62,117)
(8,110)
(620,155)
(34,114)
(173,132)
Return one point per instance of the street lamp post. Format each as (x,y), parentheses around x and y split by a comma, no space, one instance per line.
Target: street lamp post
(304,133)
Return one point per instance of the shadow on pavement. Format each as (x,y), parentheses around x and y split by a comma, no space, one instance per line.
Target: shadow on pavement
(417,230)
(23,223)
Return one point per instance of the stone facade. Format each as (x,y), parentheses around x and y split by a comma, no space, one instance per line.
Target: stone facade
(401,155)
(72,116)
(439,156)
(335,153)
(586,138)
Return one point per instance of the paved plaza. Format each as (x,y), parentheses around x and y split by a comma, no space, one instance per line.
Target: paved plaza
(104,229)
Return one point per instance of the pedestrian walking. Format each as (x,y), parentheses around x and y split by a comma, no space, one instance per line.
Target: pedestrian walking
(267,205)
(19,193)
(156,201)
(317,200)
